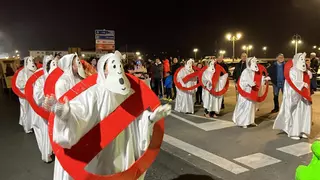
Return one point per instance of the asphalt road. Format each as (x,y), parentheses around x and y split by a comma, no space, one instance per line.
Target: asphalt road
(20,157)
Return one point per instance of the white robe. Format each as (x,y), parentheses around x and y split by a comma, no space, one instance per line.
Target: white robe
(40,125)
(245,110)
(185,99)
(86,111)
(210,101)
(26,112)
(294,116)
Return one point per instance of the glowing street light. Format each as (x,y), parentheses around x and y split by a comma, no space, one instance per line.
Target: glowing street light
(319,48)
(195,53)
(18,55)
(296,40)
(233,38)
(314,47)
(17,51)
(139,57)
(247,48)
(264,49)
(222,52)
(138,53)
(83,55)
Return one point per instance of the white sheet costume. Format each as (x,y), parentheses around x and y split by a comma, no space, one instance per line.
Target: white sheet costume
(77,117)
(40,125)
(211,102)
(26,112)
(294,116)
(185,99)
(245,110)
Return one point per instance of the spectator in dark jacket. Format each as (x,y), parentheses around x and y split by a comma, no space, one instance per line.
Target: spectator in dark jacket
(314,66)
(199,89)
(276,73)
(242,65)
(157,77)
(174,67)
(225,67)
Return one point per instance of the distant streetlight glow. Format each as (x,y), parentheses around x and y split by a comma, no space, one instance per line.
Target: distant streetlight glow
(247,48)
(17,51)
(138,53)
(233,38)
(195,53)
(222,52)
(83,55)
(314,47)
(264,48)
(139,57)
(319,48)
(296,40)
(18,55)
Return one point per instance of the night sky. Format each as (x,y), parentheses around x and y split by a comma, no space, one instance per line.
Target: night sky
(175,27)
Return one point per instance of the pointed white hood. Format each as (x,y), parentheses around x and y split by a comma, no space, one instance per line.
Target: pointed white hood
(299,61)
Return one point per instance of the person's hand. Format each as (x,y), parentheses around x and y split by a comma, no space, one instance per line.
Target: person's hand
(252,84)
(306,85)
(61,110)
(49,102)
(161,112)
(267,78)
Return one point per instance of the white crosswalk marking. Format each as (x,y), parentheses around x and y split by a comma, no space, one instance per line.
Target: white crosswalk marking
(208,126)
(257,160)
(298,149)
(205,155)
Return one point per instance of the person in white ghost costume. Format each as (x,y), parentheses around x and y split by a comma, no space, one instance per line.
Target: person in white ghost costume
(77,117)
(294,116)
(245,110)
(40,125)
(212,103)
(26,111)
(73,72)
(185,99)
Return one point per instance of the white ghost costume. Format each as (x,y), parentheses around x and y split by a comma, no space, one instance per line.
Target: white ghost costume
(185,99)
(40,125)
(77,117)
(245,110)
(63,84)
(26,112)
(211,102)
(294,116)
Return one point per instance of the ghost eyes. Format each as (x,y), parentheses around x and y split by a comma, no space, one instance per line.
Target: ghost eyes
(114,66)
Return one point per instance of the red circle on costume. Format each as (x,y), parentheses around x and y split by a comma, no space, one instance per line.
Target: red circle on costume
(215,80)
(254,94)
(305,92)
(29,95)
(74,160)
(187,78)
(15,89)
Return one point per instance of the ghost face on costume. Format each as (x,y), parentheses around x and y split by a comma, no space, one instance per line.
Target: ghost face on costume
(115,78)
(300,61)
(30,64)
(53,65)
(252,64)
(189,64)
(77,67)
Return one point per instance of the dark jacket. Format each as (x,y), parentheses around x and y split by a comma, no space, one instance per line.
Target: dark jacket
(273,73)
(225,67)
(175,67)
(314,65)
(157,71)
(238,70)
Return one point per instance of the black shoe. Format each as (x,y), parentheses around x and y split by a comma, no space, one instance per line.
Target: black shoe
(275,111)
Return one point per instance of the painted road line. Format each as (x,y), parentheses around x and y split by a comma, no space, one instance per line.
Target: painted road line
(202,117)
(205,155)
(257,160)
(208,126)
(298,149)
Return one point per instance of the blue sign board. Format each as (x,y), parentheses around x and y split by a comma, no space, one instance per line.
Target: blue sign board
(103,37)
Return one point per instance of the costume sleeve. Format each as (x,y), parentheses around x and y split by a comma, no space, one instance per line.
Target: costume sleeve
(206,80)
(62,86)
(245,79)
(222,82)
(21,81)
(297,81)
(38,93)
(75,120)
(180,76)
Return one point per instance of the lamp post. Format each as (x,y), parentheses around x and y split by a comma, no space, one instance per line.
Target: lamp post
(247,48)
(296,40)
(264,49)
(314,47)
(233,38)
(195,53)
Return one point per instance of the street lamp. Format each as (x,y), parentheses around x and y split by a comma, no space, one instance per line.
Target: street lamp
(264,49)
(83,55)
(314,47)
(18,55)
(195,53)
(296,39)
(17,51)
(222,52)
(247,48)
(138,53)
(233,38)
